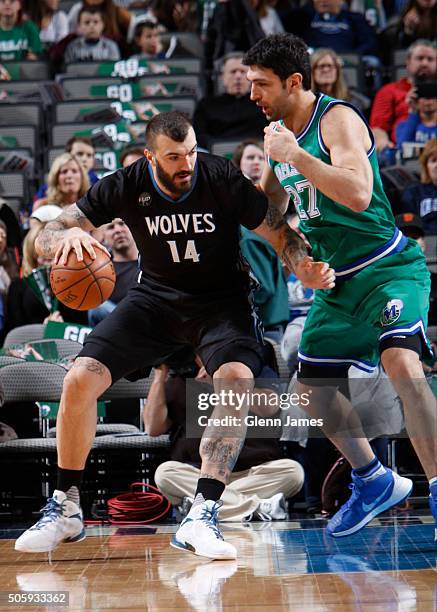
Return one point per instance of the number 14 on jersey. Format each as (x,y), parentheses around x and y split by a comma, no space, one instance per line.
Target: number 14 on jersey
(190,251)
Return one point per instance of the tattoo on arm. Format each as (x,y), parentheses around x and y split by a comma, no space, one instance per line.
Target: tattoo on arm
(293,248)
(274,219)
(72,216)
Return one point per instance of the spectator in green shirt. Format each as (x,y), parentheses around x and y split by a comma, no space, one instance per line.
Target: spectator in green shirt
(19,39)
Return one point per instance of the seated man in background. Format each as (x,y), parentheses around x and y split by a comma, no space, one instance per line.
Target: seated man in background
(261,479)
(118,238)
(231,114)
(390,105)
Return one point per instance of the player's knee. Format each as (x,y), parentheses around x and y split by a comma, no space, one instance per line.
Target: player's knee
(233,370)
(80,384)
(402,363)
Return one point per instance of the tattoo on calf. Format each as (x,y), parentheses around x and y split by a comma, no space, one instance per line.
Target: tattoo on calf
(223,454)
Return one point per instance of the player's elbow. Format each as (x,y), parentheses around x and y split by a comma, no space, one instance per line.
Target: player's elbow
(361,199)
(361,202)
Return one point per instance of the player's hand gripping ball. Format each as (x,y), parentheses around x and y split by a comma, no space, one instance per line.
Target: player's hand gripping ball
(85,284)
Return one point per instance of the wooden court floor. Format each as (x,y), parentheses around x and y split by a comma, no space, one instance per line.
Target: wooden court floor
(281,566)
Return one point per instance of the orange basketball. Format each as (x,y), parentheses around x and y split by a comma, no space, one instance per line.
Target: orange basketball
(85,284)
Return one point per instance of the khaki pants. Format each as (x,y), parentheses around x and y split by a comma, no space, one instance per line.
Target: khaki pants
(243,493)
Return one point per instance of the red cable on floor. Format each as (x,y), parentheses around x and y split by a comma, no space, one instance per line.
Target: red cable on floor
(138,507)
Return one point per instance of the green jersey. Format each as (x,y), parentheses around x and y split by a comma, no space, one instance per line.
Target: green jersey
(15,43)
(347,240)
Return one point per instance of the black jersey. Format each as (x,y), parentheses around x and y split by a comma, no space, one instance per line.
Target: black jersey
(188,246)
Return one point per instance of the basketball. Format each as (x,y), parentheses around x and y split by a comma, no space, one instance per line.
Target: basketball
(85,284)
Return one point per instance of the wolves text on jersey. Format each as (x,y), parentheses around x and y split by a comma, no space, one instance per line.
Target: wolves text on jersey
(197,223)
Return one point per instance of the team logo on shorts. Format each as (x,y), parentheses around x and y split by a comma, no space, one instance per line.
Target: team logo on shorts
(391,312)
(144,199)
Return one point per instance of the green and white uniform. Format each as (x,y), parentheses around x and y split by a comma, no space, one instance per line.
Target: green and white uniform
(382,281)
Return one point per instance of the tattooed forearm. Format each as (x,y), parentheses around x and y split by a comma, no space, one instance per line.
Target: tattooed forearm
(274,219)
(294,248)
(47,241)
(288,244)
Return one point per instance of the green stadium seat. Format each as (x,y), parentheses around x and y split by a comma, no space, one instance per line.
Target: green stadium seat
(115,88)
(133,68)
(28,70)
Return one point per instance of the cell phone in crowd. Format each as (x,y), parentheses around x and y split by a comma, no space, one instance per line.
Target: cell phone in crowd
(427,89)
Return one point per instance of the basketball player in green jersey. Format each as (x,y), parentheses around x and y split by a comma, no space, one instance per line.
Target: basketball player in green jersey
(321,154)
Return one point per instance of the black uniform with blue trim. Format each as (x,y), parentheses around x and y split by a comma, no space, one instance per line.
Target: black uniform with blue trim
(382,282)
(192,290)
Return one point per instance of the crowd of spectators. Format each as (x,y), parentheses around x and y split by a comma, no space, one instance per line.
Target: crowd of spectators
(360,38)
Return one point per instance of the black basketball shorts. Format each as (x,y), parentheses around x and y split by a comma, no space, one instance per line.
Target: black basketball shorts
(143,332)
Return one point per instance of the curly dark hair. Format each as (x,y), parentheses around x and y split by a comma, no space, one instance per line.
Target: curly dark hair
(282,53)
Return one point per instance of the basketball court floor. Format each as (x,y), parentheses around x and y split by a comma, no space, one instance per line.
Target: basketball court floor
(389,566)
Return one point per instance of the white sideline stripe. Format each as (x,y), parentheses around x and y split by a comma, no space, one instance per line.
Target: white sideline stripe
(365,366)
(370,261)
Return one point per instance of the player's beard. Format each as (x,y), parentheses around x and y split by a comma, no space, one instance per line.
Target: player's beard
(167,180)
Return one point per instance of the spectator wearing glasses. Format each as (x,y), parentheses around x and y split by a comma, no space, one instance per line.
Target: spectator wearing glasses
(327,77)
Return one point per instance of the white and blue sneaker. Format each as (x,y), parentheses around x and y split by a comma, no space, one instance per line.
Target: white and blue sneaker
(433,505)
(199,533)
(369,498)
(62,521)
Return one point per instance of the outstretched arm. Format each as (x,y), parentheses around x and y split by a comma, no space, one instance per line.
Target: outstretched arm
(68,231)
(292,250)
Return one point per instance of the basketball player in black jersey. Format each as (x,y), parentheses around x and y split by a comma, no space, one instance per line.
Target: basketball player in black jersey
(184,210)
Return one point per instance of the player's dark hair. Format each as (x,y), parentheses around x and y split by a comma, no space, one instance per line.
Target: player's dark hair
(174,125)
(285,54)
(90,9)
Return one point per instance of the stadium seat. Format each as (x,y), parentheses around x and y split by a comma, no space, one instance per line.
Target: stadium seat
(20,112)
(28,70)
(67,112)
(24,333)
(224,148)
(13,185)
(21,136)
(130,68)
(93,88)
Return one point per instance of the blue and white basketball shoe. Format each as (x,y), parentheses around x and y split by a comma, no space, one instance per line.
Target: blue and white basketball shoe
(370,497)
(62,521)
(199,533)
